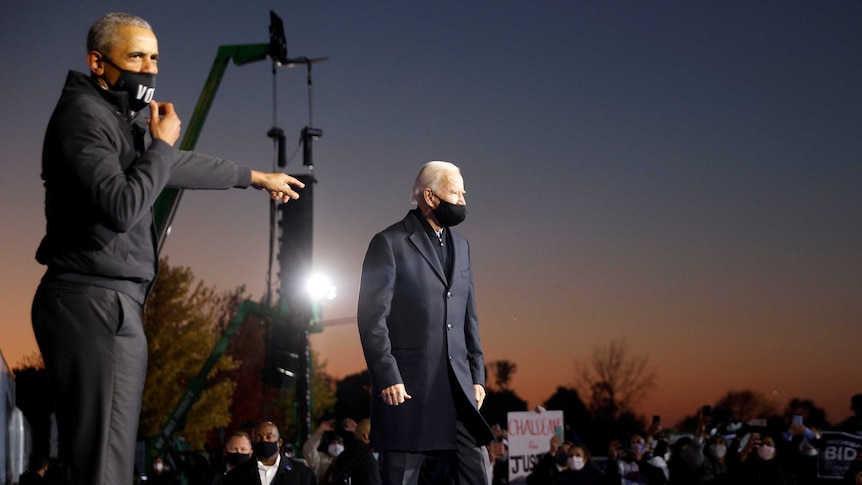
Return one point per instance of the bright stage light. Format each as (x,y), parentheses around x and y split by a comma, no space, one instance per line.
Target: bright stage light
(319,287)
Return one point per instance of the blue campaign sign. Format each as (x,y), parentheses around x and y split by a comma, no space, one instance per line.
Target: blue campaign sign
(837,451)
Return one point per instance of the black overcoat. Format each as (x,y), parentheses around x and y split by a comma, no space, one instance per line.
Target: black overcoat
(419,327)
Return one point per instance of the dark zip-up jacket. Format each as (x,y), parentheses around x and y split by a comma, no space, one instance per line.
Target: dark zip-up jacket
(101,181)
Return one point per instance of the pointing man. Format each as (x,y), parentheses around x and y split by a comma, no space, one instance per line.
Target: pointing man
(104,163)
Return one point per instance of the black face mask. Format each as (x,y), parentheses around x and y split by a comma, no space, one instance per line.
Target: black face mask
(449,214)
(140,86)
(264,449)
(236,459)
(562,458)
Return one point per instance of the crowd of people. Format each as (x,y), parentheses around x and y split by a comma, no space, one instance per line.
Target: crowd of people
(783,453)
(650,459)
(341,453)
(331,456)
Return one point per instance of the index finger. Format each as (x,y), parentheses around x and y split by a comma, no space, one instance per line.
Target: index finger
(296,182)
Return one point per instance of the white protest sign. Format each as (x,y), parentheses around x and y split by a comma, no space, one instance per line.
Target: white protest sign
(529,436)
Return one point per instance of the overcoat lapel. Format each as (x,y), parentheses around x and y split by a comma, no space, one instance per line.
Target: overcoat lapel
(422,244)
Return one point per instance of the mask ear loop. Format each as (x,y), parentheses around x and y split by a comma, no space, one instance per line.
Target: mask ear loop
(109,62)
(104,58)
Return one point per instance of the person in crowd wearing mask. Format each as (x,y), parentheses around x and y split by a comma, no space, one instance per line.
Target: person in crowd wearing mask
(163,474)
(760,463)
(420,335)
(701,459)
(268,467)
(632,466)
(104,163)
(237,450)
(580,469)
(715,470)
(357,465)
(319,460)
(549,466)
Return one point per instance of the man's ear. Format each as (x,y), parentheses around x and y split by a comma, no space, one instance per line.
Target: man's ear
(428,195)
(94,61)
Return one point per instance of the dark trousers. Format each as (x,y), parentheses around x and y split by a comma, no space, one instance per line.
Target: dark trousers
(95,351)
(466,465)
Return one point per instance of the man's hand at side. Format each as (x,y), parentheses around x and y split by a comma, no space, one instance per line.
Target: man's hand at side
(395,395)
(480,395)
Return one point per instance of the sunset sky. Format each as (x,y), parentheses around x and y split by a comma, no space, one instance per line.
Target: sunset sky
(686,175)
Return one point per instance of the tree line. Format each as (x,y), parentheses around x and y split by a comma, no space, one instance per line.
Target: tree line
(184,319)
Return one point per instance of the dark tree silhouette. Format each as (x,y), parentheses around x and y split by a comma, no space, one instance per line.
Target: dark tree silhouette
(353,397)
(503,370)
(614,380)
(499,399)
(815,417)
(581,427)
(498,404)
(746,405)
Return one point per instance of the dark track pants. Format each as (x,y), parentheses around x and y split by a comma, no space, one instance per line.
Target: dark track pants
(95,351)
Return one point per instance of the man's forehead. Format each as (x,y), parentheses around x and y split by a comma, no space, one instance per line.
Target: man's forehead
(453,180)
(239,441)
(135,39)
(266,429)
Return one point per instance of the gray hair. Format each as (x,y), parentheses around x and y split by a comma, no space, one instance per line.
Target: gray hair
(429,177)
(103,33)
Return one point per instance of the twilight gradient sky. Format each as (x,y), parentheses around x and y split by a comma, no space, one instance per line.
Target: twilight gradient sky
(686,175)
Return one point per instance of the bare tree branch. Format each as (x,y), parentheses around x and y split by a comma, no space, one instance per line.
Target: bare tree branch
(614,380)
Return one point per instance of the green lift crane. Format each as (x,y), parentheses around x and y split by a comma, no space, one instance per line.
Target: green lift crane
(165,208)
(166,204)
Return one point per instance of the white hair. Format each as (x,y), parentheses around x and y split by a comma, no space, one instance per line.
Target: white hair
(430,176)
